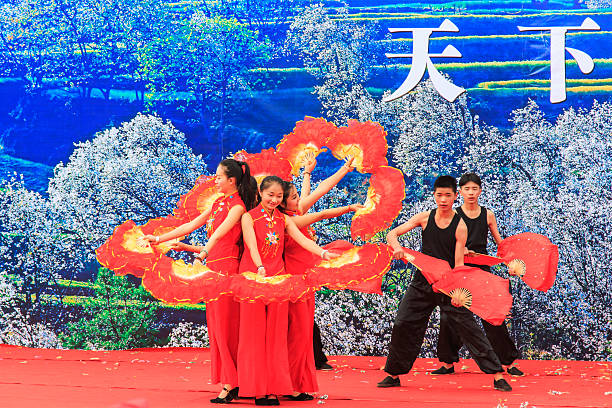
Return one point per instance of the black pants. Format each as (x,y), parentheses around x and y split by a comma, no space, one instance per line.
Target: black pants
(411,322)
(449,342)
(317,344)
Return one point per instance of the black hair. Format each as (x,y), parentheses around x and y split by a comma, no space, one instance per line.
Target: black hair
(467,177)
(446,182)
(246,184)
(287,187)
(269,180)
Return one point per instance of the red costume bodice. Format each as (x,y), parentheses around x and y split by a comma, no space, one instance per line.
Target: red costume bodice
(270,238)
(298,259)
(229,246)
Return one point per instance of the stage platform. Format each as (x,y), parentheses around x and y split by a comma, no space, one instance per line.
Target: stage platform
(178,378)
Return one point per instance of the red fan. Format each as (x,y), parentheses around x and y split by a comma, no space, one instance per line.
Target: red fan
(250,287)
(483,293)
(353,267)
(198,199)
(385,195)
(433,269)
(122,253)
(369,286)
(366,142)
(308,137)
(177,282)
(532,257)
(266,163)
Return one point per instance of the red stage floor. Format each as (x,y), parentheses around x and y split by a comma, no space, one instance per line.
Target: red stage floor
(178,378)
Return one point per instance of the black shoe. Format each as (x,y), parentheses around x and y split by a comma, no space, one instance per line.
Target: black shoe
(301,397)
(324,367)
(231,395)
(443,370)
(501,385)
(273,401)
(515,372)
(261,401)
(389,382)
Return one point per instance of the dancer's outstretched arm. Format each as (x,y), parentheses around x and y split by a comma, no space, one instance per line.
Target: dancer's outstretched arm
(304,242)
(419,220)
(310,218)
(308,200)
(180,231)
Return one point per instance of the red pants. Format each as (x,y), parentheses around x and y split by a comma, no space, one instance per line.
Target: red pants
(299,343)
(223,320)
(263,366)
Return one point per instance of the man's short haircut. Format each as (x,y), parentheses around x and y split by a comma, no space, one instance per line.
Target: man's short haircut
(467,177)
(446,182)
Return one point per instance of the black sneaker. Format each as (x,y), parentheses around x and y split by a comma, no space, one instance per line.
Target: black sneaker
(444,370)
(389,382)
(515,372)
(324,367)
(501,385)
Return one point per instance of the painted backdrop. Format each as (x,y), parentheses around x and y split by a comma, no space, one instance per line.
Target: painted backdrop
(110,109)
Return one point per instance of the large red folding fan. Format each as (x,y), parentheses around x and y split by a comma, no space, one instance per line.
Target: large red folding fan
(198,199)
(250,287)
(483,293)
(355,266)
(178,282)
(384,202)
(433,269)
(365,141)
(265,163)
(124,254)
(530,256)
(308,137)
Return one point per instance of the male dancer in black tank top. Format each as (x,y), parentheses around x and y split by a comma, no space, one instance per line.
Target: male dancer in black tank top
(479,221)
(444,236)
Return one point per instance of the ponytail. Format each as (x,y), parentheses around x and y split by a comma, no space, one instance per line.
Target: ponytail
(246,184)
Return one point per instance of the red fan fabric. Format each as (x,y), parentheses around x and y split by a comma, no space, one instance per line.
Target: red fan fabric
(366,142)
(353,267)
(433,269)
(538,256)
(122,253)
(177,282)
(386,193)
(308,136)
(266,163)
(370,286)
(250,287)
(489,296)
(482,259)
(198,199)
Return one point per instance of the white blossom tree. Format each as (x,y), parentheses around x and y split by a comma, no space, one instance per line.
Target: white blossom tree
(136,171)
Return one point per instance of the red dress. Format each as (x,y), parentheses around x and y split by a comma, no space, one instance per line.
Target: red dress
(301,318)
(223,315)
(263,366)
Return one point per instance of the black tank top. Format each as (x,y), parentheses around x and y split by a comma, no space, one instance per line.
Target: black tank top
(478,230)
(438,242)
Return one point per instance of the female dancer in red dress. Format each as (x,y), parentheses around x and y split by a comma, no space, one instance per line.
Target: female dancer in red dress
(263,365)
(297,261)
(222,252)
